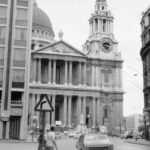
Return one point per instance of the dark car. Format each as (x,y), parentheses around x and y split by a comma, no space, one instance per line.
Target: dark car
(93,142)
(129,136)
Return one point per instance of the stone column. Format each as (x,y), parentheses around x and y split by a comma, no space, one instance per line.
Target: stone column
(106,24)
(39,71)
(109,27)
(49,72)
(70,72)
(54,71)
(53,104)
(102,25)
(66,72)
(37,100)
(84,72)
(79,109)
(69,110)
(98,111)
(33,105)
(65,110)
(80,73)
(98,25)
(93,115)
(93,75)
(94,25)
(84,108)
(120,77)
(34,69)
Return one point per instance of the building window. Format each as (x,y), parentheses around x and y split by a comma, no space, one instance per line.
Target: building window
(2,32)
(18,78)
(103,7)
(20,34)
(16,97)
(22,14)
(1,77)
(19,57)
(2,50)
(22,3)
(3,12)
(3,1)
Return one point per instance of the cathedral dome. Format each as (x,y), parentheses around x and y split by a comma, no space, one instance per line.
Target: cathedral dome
(41,20)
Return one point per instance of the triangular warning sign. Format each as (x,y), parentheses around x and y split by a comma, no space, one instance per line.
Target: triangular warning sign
(44,104)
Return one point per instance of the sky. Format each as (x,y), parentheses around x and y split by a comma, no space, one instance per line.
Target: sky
(71,16)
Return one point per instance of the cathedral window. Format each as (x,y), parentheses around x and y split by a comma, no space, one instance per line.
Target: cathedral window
(104,25)
(96,25)
(106,78)
(105,113)
(32,46)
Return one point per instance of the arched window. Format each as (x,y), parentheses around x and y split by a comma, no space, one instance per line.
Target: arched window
(105,113)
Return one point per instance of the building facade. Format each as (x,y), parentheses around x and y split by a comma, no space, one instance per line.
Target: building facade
(133,122)
(145,55)
(15,43)
(83,84)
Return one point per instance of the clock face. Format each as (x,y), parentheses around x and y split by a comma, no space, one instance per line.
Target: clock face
(106,45)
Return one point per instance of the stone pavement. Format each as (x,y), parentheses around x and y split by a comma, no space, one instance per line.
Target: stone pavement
(139,141)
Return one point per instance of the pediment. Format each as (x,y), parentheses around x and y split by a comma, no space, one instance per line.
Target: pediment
(61,48)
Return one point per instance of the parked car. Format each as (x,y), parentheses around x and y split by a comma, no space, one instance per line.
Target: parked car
(58,135)
(129,135)
(72,133)
(94,142)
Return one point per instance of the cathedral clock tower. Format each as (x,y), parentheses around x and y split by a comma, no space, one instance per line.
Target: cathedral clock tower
(101,42)
(104,69)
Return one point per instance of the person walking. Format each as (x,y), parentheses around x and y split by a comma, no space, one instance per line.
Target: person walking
(50,139)
(40,141)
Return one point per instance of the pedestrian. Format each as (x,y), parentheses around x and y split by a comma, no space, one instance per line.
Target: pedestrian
(40,141)
(50,139)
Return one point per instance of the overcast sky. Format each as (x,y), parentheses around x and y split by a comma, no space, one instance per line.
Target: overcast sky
(71,16)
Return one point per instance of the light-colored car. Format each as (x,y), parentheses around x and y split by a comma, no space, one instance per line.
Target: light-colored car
(72,134)
(58,135)
(94,142)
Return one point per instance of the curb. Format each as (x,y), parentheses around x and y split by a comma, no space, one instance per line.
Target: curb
(132,142)
(17,141)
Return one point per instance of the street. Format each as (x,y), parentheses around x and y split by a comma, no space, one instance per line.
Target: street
(69,144)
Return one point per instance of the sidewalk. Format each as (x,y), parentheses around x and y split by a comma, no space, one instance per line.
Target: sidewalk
(139,141)
(28,140)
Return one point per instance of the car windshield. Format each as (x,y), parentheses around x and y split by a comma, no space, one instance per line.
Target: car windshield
(95,137)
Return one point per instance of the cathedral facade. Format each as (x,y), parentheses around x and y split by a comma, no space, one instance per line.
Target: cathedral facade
(84,83)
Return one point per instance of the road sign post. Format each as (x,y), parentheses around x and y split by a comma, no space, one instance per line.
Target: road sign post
(44,105)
